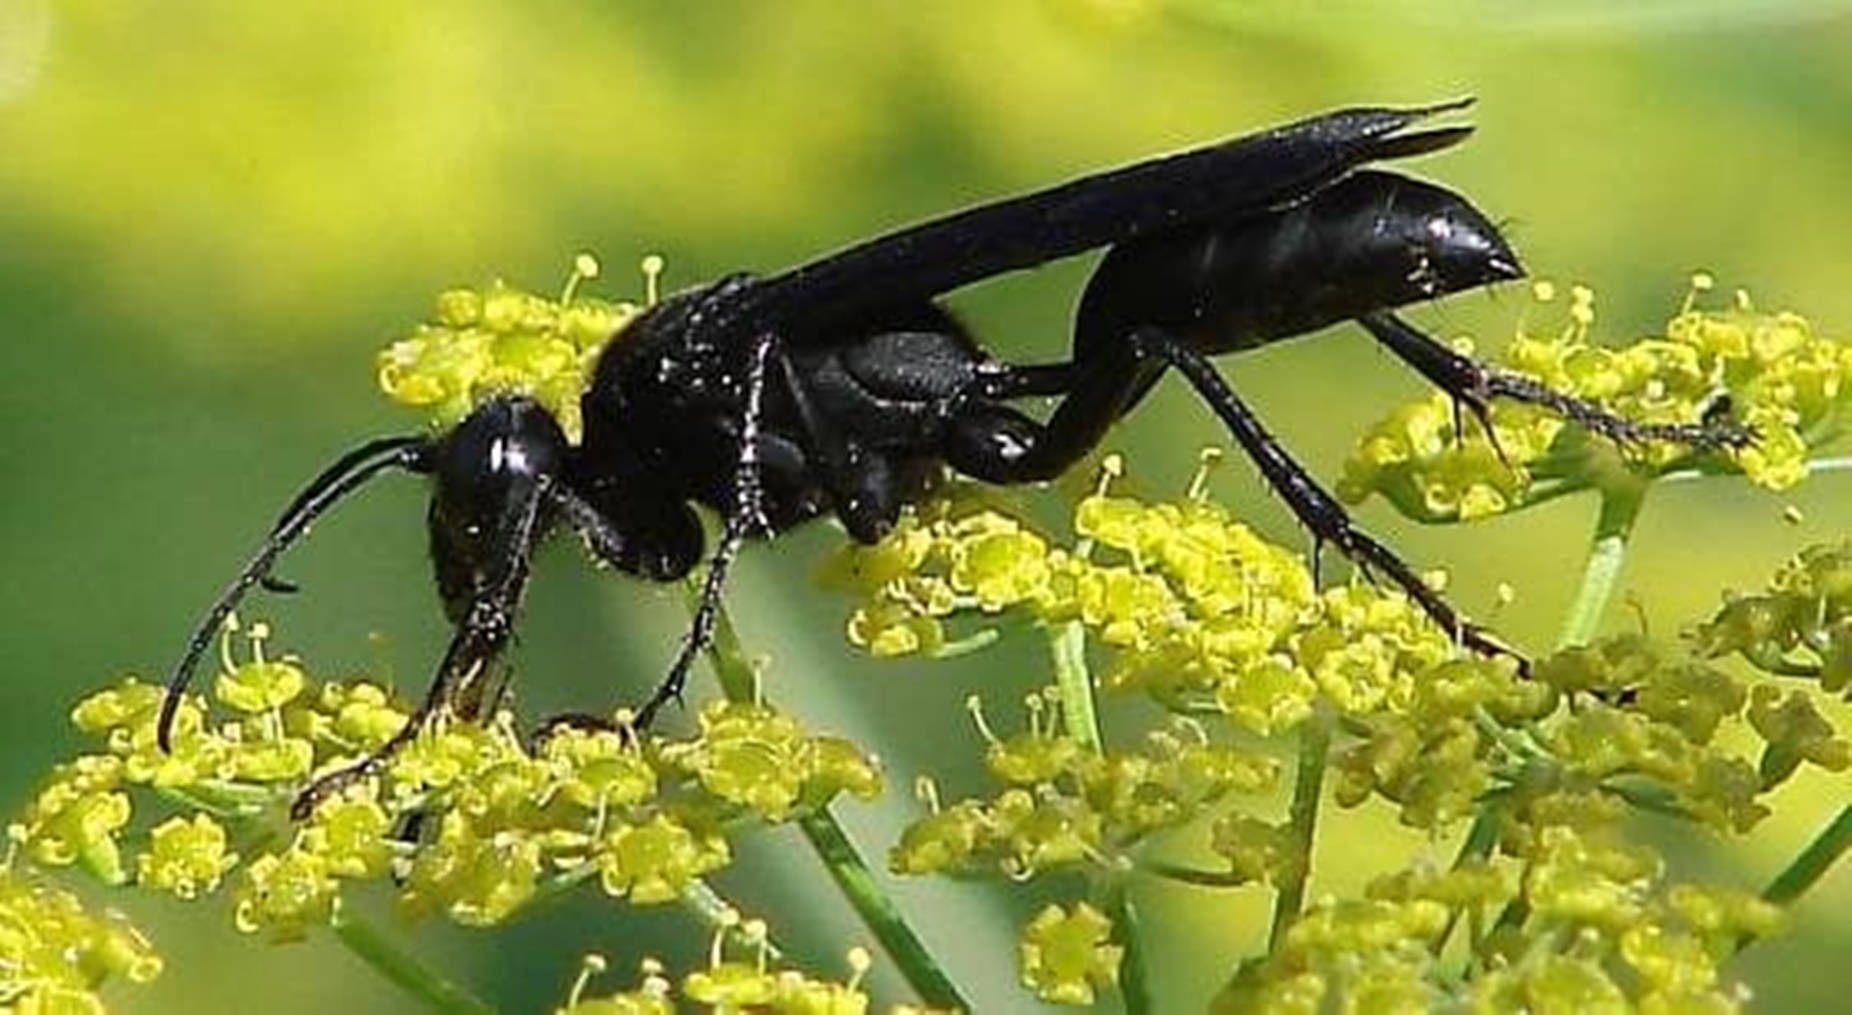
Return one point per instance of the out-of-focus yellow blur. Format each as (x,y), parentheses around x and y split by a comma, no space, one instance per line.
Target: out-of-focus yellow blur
(213,213)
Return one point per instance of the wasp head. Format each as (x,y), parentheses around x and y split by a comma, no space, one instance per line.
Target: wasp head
(492,475)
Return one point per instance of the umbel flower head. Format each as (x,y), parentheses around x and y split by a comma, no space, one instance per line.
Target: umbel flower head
(1200,612)
(727,984)
(1577,920)
(502,340)
(1229,633)
(1790,386)
(506,817)
(1801,626)
(54,955)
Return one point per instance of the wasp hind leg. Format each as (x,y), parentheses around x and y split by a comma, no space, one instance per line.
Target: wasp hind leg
(1475,384)
(996,443)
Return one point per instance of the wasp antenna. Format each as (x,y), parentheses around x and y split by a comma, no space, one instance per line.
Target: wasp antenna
(347,474)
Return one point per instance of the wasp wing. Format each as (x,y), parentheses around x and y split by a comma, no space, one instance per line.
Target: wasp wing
(1245,175)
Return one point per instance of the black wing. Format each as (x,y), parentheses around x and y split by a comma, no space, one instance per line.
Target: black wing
(1244,175)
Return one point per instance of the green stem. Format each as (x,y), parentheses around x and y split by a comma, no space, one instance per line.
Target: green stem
(1134,976)
(700,898)
(1621,500)
(554,887)
(1184,874)
(1620,509)
(1302,819)
(1812,862)
(1808,867)
(1517,745)
(399,967)
(878,911)
(1480,838)
(977,641)
(714,910)
(1830,463)
(1067,646)
(1650,796)
(224,799)
(739,682)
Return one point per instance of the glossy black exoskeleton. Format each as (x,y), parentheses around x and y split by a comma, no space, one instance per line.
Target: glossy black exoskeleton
(841,387)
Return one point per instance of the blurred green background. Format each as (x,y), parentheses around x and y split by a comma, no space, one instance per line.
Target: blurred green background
(213,213)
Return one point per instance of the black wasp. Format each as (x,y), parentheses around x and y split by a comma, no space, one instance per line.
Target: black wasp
(842,387)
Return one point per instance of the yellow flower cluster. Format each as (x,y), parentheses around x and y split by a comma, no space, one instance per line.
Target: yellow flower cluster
(1067,807)
(728,984)
(54,956)
(1064,805)
(1203,614)
(1801,626)
(1212,622)
(1664,723)
(504,340)
(1570,918)
(1567,913)
(1065,955)
(1791,387)
(468,819)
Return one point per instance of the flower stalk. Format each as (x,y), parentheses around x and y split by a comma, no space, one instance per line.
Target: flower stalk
(739,682)
(1067,647)
(1621,501)
(1134,972)
(404,971)
(1302,823)
(1812,862)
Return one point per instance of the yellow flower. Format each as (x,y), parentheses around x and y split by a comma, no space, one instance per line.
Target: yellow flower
(1065,955)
